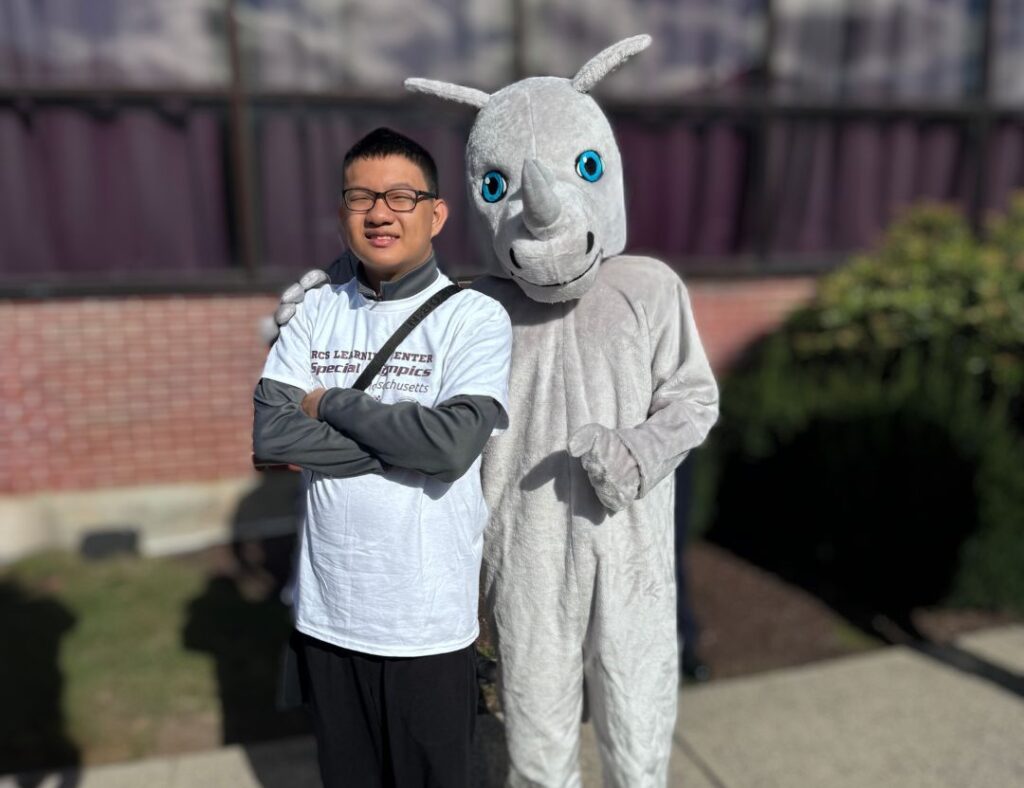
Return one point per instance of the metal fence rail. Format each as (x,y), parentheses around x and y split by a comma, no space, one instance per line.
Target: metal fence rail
(760,117)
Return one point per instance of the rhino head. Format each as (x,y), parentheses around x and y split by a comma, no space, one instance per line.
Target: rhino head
(545,175)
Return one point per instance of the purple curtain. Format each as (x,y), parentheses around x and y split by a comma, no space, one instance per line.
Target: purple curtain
(145,191)
(837,186)
(1005,165)
(685,188)
(134,192)
(139,193)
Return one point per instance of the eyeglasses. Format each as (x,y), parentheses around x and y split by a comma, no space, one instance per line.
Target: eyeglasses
(398,200)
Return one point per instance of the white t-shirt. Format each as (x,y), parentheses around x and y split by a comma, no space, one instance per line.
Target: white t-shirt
(389,564)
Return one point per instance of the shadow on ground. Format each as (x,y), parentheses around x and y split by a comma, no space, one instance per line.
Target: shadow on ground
(868,514)
(293,763)
(242,621)
(32,725)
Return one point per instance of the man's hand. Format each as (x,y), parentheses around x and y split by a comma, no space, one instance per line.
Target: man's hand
(311,403)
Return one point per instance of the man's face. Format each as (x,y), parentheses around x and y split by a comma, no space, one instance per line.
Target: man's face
(390,243)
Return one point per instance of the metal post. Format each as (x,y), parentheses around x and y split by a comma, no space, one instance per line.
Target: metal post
(519,38)
(761,186)
(242,196)
(980,128)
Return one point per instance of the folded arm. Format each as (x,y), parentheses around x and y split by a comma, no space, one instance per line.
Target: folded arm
(282,433)
(441,442)
(626,463)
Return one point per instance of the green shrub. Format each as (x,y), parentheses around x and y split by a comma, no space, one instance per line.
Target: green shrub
(932,288)
(873,447)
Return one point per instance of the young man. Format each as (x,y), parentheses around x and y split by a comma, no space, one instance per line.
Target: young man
(389,558)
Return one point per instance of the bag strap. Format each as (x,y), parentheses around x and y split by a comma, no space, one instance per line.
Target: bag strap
(383,354)
(403,331)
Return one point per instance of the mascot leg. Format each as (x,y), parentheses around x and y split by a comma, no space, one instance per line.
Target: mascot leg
(543,733)
(631,657)
(535,612)
(606,610)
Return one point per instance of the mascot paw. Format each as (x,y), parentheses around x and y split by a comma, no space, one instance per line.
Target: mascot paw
(613,472)
(297,292)
(284,313)
(313,279)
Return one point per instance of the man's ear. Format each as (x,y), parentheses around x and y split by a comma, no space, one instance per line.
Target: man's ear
(440,216)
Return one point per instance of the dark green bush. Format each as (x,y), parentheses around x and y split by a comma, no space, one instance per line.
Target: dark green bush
(873,447)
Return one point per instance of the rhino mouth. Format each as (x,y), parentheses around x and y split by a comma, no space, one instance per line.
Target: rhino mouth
(590,245)
(567,281)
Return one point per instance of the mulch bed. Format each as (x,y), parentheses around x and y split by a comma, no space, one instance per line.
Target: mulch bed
(752,621)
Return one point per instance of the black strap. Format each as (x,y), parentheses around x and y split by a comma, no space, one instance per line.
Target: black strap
(403,331)
(384,353)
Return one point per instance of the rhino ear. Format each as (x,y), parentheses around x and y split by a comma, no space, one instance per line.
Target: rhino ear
(606,61)
(449,91)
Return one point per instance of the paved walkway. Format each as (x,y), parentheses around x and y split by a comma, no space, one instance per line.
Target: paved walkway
(894,717)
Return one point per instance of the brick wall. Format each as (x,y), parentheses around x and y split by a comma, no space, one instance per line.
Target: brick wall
(732,314)
(110,392)
(122,391)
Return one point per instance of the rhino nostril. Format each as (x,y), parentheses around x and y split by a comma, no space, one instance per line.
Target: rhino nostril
(590,242)
(512,256)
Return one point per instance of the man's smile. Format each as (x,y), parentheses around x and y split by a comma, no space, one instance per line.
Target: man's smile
(381,239)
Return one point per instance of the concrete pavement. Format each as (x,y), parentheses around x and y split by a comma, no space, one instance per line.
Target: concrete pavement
(892,717)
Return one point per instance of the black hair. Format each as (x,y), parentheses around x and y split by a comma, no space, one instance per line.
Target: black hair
(383,142)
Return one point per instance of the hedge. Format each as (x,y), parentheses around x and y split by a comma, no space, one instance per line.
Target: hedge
(873,448)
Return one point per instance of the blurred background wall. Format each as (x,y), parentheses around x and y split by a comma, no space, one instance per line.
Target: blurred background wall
(166,167)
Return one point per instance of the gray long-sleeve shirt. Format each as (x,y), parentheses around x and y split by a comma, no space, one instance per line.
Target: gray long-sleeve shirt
(355,434)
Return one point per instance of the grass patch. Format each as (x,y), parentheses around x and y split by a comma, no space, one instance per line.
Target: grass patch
(853,639)
(135,656)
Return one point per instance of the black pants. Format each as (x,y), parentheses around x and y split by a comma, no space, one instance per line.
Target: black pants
(390,722)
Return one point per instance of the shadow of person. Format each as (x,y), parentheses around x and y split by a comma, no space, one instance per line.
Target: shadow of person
(289,763)
(32,726)
(265,523)
(490,753)
(292,763)
(569,482)
(243,629)
(242,620)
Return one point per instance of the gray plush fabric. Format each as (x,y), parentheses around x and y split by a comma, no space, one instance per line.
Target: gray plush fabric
(533,132)
(446,90)
(606,61)
(294,294)
(610,389)
(579,556)
(613,471)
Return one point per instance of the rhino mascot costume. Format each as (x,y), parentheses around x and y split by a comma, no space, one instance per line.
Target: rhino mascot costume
(610,389)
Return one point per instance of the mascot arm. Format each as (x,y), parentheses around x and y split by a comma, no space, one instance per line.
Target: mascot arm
(282,433)
(684,402)
(441,442)
(624,464)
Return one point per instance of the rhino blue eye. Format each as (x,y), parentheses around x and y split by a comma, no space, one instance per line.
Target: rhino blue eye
(589,166)
(494,186)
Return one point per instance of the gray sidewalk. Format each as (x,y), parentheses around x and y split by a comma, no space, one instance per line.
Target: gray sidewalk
(894,717)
